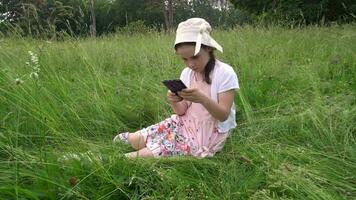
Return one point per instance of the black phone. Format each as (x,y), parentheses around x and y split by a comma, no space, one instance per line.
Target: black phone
(174,85)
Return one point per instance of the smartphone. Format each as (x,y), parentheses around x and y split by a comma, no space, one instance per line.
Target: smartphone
(174,85)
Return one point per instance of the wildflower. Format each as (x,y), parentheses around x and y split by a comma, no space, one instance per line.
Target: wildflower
(33,63)
(18,81)
(300,150)
(34,75)
(34,59)
(73,181)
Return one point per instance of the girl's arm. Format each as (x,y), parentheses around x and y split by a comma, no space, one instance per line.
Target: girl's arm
(177,103)
(179,107)
(220,110)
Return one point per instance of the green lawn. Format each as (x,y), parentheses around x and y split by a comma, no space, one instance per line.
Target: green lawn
(296,114)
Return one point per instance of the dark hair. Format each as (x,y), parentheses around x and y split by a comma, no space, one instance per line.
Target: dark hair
(209,66)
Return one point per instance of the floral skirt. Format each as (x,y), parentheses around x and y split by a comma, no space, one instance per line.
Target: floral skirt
(174,137)
(166,138)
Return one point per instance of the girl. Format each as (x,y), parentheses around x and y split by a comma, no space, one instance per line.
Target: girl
(204,112)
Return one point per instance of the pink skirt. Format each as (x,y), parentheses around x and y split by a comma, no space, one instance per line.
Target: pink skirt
(180,135)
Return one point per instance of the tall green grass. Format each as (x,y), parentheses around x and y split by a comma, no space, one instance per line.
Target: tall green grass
(295,137)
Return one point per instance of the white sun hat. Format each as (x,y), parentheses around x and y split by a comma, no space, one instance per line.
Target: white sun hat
(196,30)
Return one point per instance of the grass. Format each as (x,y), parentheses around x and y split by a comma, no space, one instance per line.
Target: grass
(295,137)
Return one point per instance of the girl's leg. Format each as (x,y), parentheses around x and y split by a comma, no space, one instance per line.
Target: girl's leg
(145,152)
(136,140)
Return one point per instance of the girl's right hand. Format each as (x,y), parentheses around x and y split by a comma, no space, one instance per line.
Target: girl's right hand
(173,98)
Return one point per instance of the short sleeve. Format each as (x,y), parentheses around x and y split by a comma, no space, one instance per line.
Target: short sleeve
(184,76)
(228,80)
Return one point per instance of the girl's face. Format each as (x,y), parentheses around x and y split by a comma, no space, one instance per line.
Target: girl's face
(198,62)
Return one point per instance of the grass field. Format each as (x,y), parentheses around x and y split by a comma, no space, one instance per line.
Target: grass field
(296,114)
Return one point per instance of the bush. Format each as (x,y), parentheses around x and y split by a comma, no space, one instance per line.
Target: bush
(136,27)
(233,17)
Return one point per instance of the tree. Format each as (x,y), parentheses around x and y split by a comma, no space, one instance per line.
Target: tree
(93,24)
(168,14)
(301,11)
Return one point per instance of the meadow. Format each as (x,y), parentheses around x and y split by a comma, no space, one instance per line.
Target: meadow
(61,103)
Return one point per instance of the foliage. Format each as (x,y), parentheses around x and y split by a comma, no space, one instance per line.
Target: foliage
(48,18)
(301,11)
(52,17)
(125,12)
(296,108)
(136,27)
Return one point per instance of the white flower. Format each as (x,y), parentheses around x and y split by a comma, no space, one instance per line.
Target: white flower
(18,81)
(34,75)
(33,63)
(34,58)
(36,69)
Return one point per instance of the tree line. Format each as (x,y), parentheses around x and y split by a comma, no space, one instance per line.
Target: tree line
(97,17)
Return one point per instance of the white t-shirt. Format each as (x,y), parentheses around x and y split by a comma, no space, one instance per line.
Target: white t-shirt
(223,79)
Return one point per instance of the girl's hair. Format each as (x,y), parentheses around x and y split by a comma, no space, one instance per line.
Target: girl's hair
(209,66)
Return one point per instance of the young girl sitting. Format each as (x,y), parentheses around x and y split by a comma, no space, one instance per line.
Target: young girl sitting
(204,112)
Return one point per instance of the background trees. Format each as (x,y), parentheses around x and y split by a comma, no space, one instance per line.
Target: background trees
(85,17)
(301,11)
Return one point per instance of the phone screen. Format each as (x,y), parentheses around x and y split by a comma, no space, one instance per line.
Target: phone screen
(174,85)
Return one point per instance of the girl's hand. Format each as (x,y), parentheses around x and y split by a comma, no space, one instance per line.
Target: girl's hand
(173,98)
(193,95)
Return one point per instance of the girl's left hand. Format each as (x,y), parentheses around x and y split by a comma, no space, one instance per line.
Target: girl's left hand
(193,95)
